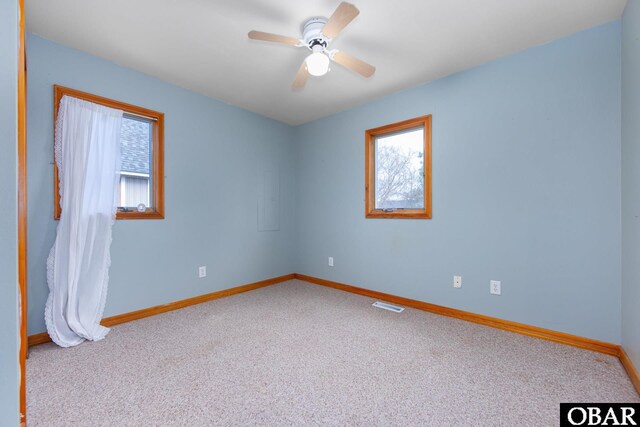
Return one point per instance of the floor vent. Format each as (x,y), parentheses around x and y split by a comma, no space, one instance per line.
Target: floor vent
(389,307)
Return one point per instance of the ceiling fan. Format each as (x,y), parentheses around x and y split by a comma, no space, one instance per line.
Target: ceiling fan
(317,34)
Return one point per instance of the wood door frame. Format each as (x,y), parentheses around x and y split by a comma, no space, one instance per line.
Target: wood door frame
(22,209)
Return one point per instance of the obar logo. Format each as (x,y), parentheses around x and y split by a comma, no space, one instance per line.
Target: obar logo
(599,414)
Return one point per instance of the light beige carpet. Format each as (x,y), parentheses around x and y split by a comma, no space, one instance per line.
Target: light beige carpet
(301,354)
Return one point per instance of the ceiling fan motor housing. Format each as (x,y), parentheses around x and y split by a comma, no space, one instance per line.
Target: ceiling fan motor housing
(312,33)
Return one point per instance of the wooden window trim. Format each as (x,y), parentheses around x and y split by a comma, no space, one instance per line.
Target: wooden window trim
(155,212)
(369,161)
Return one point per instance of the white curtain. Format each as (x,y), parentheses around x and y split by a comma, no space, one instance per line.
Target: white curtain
(87,153)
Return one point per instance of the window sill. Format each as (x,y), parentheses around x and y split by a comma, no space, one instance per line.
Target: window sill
(404,213)
(132,215)
(150,214)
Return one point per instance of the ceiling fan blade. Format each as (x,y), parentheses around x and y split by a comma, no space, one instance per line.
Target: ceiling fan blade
(275,38)
(353,64)
(344,14)
(301,77)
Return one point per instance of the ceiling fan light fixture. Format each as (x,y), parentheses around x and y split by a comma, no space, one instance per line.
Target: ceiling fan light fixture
(317,34)
(317,63)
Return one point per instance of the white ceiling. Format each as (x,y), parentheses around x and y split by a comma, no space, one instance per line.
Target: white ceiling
(202,45)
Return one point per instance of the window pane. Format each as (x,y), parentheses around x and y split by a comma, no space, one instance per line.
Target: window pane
(136,176)
(399,170)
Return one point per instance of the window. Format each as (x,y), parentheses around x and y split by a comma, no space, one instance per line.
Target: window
(136,151)
(141,148)
(398,170)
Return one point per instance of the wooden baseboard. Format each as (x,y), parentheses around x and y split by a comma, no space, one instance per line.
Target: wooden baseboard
(631,369)
(43,337)
(559,337)
(546,334)
(37,339)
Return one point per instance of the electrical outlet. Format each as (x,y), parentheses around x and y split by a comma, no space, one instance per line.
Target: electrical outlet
(330,261)
(495,287)
(457,281)
(202,271)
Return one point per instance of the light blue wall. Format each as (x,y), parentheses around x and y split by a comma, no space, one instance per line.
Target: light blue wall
(9,368)
(215,155)
(631,181)
(526,190)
